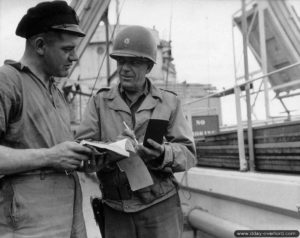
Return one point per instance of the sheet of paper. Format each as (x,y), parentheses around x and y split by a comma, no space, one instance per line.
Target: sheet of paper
(118,147)
(136,171)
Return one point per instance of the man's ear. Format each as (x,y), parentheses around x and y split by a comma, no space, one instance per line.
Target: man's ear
(39,45)
(150,66)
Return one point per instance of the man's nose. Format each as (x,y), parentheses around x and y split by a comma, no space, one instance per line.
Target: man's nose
(73,56)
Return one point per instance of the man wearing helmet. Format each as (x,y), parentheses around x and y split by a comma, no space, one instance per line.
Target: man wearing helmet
(153,211)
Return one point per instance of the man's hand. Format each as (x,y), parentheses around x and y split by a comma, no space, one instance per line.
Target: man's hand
(128,133)
(95,163)
(67,155)
(149,154)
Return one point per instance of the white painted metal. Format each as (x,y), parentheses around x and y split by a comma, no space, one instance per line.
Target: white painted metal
(240,133)
(263,53)
(248,99)
(252,199)
(213,225)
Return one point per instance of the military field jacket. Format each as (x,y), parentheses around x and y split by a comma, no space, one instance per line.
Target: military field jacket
(103,121)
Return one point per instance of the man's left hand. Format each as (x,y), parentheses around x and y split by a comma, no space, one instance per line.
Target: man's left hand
(148,154)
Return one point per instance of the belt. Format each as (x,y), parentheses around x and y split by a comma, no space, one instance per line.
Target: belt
(38,172)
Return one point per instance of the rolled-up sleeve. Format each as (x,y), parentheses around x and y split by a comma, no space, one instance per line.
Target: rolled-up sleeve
(4,108)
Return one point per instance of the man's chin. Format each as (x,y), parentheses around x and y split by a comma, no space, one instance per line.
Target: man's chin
(128,87)
(62,74)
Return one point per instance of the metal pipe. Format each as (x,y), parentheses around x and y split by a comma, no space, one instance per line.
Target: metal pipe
(213,225)
(273,72)
(248,82)
(240,131)
(233,47)
(247,4)
(252,22)
(105,20)
(290,95)
(263,54)
(288,84)
(286,109)
(248,102)
(80,107)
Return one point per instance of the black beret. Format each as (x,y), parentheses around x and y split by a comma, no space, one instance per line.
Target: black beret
(49,16)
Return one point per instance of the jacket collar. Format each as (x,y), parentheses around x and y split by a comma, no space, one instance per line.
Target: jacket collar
(117,103)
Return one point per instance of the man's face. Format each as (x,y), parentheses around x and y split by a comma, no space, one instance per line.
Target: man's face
(132,72)
(59,54)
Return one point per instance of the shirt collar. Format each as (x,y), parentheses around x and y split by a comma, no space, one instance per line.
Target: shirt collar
(21,67)
(144,92)
(18,65)
(154,91)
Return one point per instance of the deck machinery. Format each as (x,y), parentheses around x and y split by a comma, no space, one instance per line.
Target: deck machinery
(247,178)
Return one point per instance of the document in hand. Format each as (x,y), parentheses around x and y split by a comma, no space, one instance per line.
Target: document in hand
(119,147)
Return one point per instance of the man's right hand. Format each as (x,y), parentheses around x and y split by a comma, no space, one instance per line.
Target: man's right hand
(128,133)
(67,155)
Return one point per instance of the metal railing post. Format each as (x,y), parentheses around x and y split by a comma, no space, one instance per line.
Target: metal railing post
(249,119)
(263,54)
(240,131)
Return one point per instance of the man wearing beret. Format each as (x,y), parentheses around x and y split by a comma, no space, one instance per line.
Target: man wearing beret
(40,194)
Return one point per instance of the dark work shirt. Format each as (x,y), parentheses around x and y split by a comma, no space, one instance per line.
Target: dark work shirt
(32,115)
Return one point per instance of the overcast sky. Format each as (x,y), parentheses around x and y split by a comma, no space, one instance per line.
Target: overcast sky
(201,34)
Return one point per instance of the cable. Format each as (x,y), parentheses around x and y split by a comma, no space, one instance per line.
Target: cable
(105,54)
(169,50)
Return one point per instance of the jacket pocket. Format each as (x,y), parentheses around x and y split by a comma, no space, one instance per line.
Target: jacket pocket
(160,188)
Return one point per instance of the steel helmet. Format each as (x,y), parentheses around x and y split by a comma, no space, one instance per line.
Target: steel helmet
(134,41)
